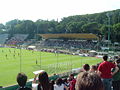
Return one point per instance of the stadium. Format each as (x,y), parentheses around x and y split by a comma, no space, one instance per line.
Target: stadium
(53,55)
(59,48)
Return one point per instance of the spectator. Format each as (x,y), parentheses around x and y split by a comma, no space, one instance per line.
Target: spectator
(59,85)
(72,82)
(65,82)
(104,70)
(86,67)
(89,81)
(52,85)
(93,68)
(43,81)
(21,80)
(116,77)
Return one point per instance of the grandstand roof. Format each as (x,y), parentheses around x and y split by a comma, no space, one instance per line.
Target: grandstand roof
(72,36)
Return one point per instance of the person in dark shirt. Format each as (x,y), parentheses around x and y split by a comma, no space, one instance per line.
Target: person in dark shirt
(42,83)
(21,80)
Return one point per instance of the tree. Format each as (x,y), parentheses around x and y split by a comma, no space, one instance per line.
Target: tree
(90,23)
(91,28)
(116,31)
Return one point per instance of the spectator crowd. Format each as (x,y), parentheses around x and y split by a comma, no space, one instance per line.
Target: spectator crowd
(83,44)
(103,76)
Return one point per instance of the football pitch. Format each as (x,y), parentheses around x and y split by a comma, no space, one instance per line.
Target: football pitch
(13,61)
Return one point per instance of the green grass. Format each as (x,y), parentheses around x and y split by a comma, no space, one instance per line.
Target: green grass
(10,64)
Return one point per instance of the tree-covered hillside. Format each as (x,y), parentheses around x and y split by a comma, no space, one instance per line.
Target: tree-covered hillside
(98,23)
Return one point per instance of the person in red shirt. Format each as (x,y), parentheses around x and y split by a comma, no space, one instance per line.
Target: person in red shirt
(104,70)
(72,82)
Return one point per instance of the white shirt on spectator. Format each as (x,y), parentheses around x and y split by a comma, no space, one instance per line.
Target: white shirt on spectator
(57,87)
(34,86)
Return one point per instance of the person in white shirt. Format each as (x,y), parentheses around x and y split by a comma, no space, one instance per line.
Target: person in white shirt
(59,85)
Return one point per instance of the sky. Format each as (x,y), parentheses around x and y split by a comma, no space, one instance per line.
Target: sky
(52,9)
